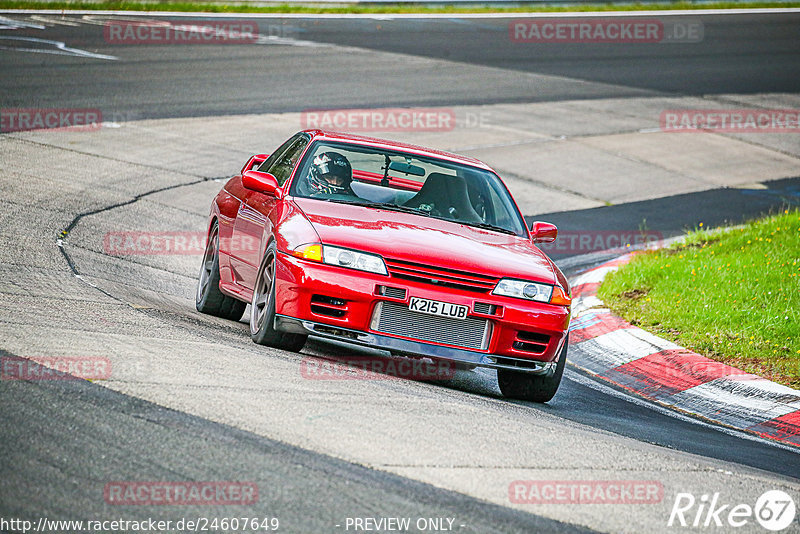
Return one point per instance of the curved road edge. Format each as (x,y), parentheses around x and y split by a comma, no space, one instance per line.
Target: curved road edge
(616,351)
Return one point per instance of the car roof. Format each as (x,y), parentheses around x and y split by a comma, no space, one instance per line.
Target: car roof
(395,145)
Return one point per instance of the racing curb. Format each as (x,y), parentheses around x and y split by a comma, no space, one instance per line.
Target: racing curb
(616,351)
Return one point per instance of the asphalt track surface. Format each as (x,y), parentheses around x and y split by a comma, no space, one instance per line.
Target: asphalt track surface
(62,440)
(739,54)
(124,438)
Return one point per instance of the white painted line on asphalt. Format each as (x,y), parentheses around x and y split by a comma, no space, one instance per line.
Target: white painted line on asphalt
(12,24)
(100,20)
(58,21)
(288,41)
(59,48)
(400,16)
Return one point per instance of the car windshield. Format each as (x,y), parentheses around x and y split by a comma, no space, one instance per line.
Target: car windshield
(390,180)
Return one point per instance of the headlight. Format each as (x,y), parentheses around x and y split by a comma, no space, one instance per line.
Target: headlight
(353,259)
(522,289)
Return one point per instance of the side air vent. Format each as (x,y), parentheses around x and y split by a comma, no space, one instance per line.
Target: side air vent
(485,308)
(392,292)
(531,342)
(328,306)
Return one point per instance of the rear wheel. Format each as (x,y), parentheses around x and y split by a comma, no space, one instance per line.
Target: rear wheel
(536,388)
(209,299)
(262,309)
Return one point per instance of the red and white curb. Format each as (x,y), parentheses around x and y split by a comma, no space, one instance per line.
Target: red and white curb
(614,350)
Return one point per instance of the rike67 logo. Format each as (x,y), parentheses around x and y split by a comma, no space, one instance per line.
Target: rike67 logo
(774,510)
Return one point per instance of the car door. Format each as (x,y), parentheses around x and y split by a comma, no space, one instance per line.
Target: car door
(252,226)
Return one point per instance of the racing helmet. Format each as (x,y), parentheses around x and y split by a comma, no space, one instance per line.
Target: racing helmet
(330,173)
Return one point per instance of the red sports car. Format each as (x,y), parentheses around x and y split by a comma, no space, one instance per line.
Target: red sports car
(393,246)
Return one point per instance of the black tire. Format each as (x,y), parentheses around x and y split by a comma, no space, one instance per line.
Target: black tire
(535,388)
(262,309)
(208,298)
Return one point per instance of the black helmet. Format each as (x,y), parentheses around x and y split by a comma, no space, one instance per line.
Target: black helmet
(330,173)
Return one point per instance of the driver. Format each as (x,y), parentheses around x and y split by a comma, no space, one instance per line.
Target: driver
(330,174)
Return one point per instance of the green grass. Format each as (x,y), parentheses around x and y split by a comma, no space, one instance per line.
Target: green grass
(317,8)
(733,296)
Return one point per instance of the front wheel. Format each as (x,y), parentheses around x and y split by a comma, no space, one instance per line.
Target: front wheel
(208,298)
(529,387)
(262,309)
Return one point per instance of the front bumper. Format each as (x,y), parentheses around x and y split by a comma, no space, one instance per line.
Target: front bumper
(353,297)
(407,347)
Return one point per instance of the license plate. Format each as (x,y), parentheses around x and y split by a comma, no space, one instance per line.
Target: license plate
(435,307)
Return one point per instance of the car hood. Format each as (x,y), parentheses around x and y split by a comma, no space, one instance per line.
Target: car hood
(434,242)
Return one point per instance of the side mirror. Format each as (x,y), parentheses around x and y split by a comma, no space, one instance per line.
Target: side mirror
(254,162)
(263,182)
(542,232)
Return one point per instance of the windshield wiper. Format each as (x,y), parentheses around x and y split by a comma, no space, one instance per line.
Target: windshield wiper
(381,206)
(487,226)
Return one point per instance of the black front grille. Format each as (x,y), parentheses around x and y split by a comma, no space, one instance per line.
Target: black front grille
(397,319)
(440,276)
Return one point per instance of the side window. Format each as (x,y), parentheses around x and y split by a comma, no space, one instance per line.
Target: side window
(270,161)
(282,166)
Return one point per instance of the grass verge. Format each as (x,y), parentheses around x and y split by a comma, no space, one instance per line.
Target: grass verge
(311,8)
(731,295)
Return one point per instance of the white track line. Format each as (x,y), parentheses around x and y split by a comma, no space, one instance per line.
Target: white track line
(11,24)
(57,21)
(59,48)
